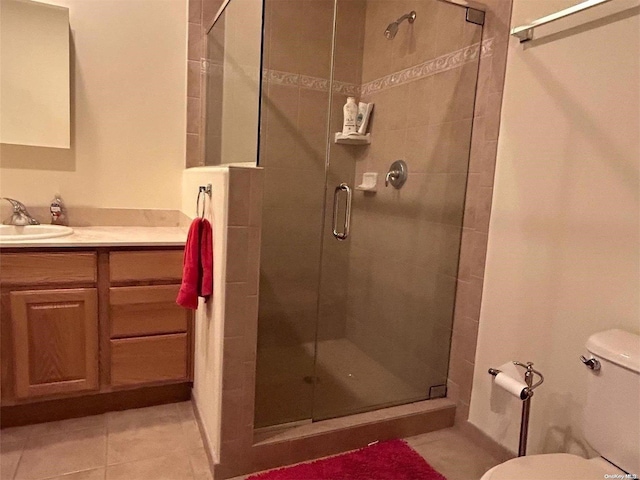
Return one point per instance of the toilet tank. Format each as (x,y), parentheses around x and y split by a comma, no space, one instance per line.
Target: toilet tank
(612,411)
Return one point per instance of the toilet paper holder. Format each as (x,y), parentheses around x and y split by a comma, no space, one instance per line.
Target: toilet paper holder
(525,396)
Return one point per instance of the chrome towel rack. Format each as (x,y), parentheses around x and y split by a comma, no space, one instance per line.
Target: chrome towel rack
(206,190)
(525,32)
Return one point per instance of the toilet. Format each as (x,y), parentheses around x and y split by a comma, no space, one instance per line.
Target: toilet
(611,420)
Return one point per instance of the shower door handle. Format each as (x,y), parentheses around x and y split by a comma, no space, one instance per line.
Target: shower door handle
(343,187)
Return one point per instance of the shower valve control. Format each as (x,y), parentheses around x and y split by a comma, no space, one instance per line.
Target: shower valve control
(397,174)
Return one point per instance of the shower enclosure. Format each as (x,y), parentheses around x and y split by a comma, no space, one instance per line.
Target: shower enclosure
(353,324)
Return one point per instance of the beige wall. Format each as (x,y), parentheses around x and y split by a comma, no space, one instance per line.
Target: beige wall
(128,112)
(209,318)
(563,256)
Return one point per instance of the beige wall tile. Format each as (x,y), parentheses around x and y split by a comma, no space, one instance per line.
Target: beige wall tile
(284,187)
(193,115)
(195,11)
(284,14)
(231,419)
(194,156)
(291,225)
(237,245)
(315,28)
(209,10)
(193,78)
(194,46)
(421,98)
(350,25)
(236,309)
(239,196)
(214,41)
(256,194)
(312,111)
(253,261)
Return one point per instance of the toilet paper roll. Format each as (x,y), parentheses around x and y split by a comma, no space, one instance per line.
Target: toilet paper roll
(511,385)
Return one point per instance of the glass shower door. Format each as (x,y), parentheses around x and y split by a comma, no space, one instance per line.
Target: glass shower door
(296,70)
(387,290)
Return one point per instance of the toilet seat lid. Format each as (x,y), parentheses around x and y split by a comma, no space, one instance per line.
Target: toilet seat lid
(549,466)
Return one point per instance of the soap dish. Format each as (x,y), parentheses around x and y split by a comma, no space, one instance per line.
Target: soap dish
(369,182)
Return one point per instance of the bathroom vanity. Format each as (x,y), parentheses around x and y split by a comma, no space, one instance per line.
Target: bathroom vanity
(90,328)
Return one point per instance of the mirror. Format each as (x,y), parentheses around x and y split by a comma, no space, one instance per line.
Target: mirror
(232,84)
(34,74)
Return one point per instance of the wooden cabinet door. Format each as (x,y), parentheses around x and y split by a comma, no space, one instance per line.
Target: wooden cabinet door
(55,341)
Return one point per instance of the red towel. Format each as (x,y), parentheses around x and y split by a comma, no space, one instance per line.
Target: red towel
(206,260)
(197,273)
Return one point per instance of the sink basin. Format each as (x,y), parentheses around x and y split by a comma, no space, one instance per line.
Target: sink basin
(17,234)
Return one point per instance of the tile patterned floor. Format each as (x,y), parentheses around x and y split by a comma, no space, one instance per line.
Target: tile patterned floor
(155,443)
(163,443)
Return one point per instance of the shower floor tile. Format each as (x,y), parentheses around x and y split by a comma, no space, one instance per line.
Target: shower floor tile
(347,381)
(350,381)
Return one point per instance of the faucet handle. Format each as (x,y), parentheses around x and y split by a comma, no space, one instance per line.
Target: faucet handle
(397,174)
(17,206)
(391,175)
(21,215)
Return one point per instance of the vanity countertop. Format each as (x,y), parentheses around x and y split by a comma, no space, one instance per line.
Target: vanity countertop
(110,237)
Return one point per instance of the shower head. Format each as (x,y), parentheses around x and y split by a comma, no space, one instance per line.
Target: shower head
(392,28)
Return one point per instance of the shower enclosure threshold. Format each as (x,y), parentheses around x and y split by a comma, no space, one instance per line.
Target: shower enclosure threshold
(277,447)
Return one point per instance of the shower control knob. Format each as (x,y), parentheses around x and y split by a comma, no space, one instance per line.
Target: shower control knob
(397,174)
(592,363)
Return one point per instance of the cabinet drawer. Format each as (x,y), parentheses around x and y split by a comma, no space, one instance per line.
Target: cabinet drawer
(137,311)
(145,266)
(148,359)
(47,268)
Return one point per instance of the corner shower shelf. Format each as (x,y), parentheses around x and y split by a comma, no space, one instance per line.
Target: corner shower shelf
(353,139)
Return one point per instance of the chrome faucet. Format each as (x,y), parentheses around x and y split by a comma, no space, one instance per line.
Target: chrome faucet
(21,215)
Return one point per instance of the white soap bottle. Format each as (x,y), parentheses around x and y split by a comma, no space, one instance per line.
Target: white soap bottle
(350,111)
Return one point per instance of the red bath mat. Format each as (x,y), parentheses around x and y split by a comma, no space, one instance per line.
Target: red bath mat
(392,460)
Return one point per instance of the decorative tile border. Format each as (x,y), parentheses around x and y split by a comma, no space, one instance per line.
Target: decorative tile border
(487,47)
(431,67)
(276,77)
(349,89)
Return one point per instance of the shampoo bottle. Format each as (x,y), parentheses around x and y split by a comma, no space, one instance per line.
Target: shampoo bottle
(364,113)
(350,115)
